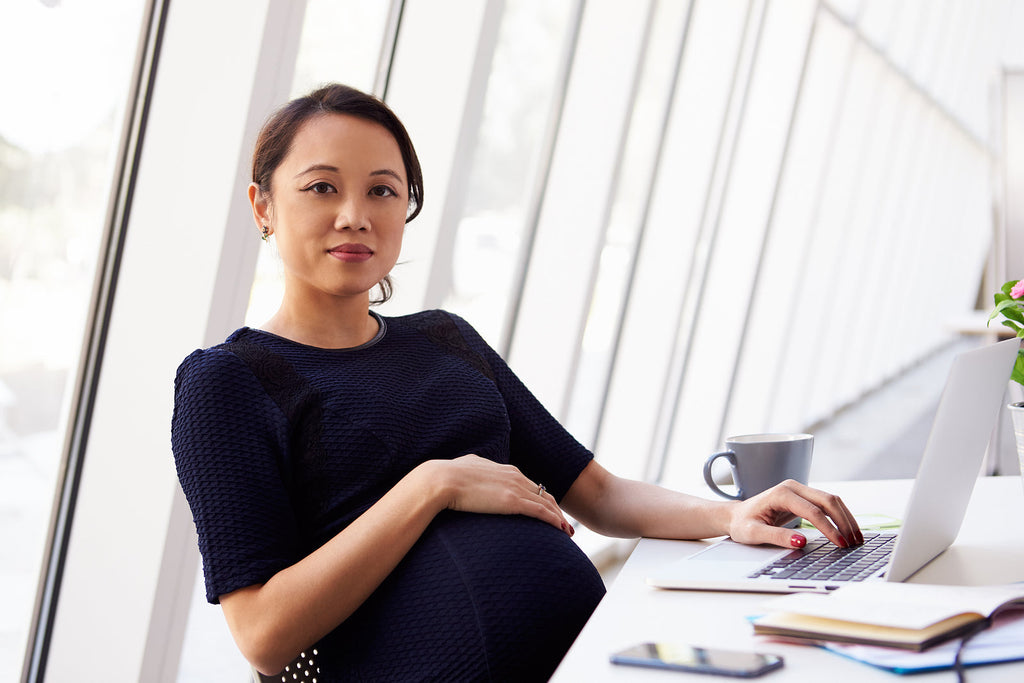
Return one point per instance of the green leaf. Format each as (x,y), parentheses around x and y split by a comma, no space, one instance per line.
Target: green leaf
(1014,326)
(1009,308)
(1018,368)
(1008,286)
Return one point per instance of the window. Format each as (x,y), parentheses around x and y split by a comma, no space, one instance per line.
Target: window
(68,72)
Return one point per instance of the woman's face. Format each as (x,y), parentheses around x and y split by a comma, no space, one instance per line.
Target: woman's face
(338,207)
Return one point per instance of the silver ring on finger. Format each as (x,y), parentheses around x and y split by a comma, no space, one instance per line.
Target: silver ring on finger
(541,490)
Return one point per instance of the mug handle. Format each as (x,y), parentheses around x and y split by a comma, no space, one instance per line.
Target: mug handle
(731,457)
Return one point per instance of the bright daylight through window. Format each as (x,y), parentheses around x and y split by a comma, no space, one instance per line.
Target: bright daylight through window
(66,71)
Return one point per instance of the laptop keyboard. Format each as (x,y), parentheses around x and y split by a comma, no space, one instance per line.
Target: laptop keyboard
(820,560)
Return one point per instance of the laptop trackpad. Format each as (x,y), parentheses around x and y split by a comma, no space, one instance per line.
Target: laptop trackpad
(731,551)
(722,566)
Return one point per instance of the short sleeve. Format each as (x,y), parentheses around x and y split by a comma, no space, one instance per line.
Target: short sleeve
(229,440)
(540,446)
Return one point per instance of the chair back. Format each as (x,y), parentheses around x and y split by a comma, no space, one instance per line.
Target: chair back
(302,670)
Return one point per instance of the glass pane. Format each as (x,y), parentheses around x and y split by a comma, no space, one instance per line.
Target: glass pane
(865,261)
(341,41)
(785,253)
(60,126)
(625,226)
(828,241)
(516,111)
(640,396)
(570,230)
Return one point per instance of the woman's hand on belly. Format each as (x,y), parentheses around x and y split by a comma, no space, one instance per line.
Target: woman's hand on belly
(300,604)
(474,484)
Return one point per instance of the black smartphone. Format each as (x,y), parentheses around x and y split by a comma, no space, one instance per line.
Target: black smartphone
(698,659)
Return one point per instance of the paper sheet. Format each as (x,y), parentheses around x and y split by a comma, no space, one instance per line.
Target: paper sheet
(903,605)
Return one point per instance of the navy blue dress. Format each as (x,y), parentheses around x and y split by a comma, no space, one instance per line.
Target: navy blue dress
(279,446)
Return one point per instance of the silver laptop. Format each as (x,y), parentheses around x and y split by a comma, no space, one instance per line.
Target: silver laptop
(950,465)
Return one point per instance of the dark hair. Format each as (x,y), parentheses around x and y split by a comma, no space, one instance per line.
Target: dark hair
(275,140)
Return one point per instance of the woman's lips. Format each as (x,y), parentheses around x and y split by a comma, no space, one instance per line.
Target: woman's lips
(351,253)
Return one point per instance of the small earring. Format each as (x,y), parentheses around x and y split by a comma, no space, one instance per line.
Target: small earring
(265,232)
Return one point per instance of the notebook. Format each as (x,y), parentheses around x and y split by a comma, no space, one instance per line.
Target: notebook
(950,464)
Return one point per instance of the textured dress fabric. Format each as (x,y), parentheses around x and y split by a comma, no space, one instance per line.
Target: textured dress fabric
(279,446)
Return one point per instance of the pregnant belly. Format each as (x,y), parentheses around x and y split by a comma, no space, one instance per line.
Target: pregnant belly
(479,597)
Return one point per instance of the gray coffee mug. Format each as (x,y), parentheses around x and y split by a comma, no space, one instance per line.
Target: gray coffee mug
(760,461)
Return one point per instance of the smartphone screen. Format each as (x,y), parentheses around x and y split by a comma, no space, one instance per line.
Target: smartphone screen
(698,659)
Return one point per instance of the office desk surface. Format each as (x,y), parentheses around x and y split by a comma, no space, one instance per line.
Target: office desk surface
(989,549)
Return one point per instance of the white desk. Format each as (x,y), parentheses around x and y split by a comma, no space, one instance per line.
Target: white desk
(989,549)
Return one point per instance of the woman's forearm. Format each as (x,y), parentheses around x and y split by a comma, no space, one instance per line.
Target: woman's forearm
(622,507)
(626,508)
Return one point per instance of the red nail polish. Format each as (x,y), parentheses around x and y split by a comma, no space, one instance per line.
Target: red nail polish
(798,540)
(565,527)
(572,530)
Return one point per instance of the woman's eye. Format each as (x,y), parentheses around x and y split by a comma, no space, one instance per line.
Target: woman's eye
(383,191)
(321,188)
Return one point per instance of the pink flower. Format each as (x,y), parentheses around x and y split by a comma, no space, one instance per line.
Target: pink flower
(1018,290)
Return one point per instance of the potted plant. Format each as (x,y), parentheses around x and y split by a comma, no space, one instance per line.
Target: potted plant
(1009,302)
